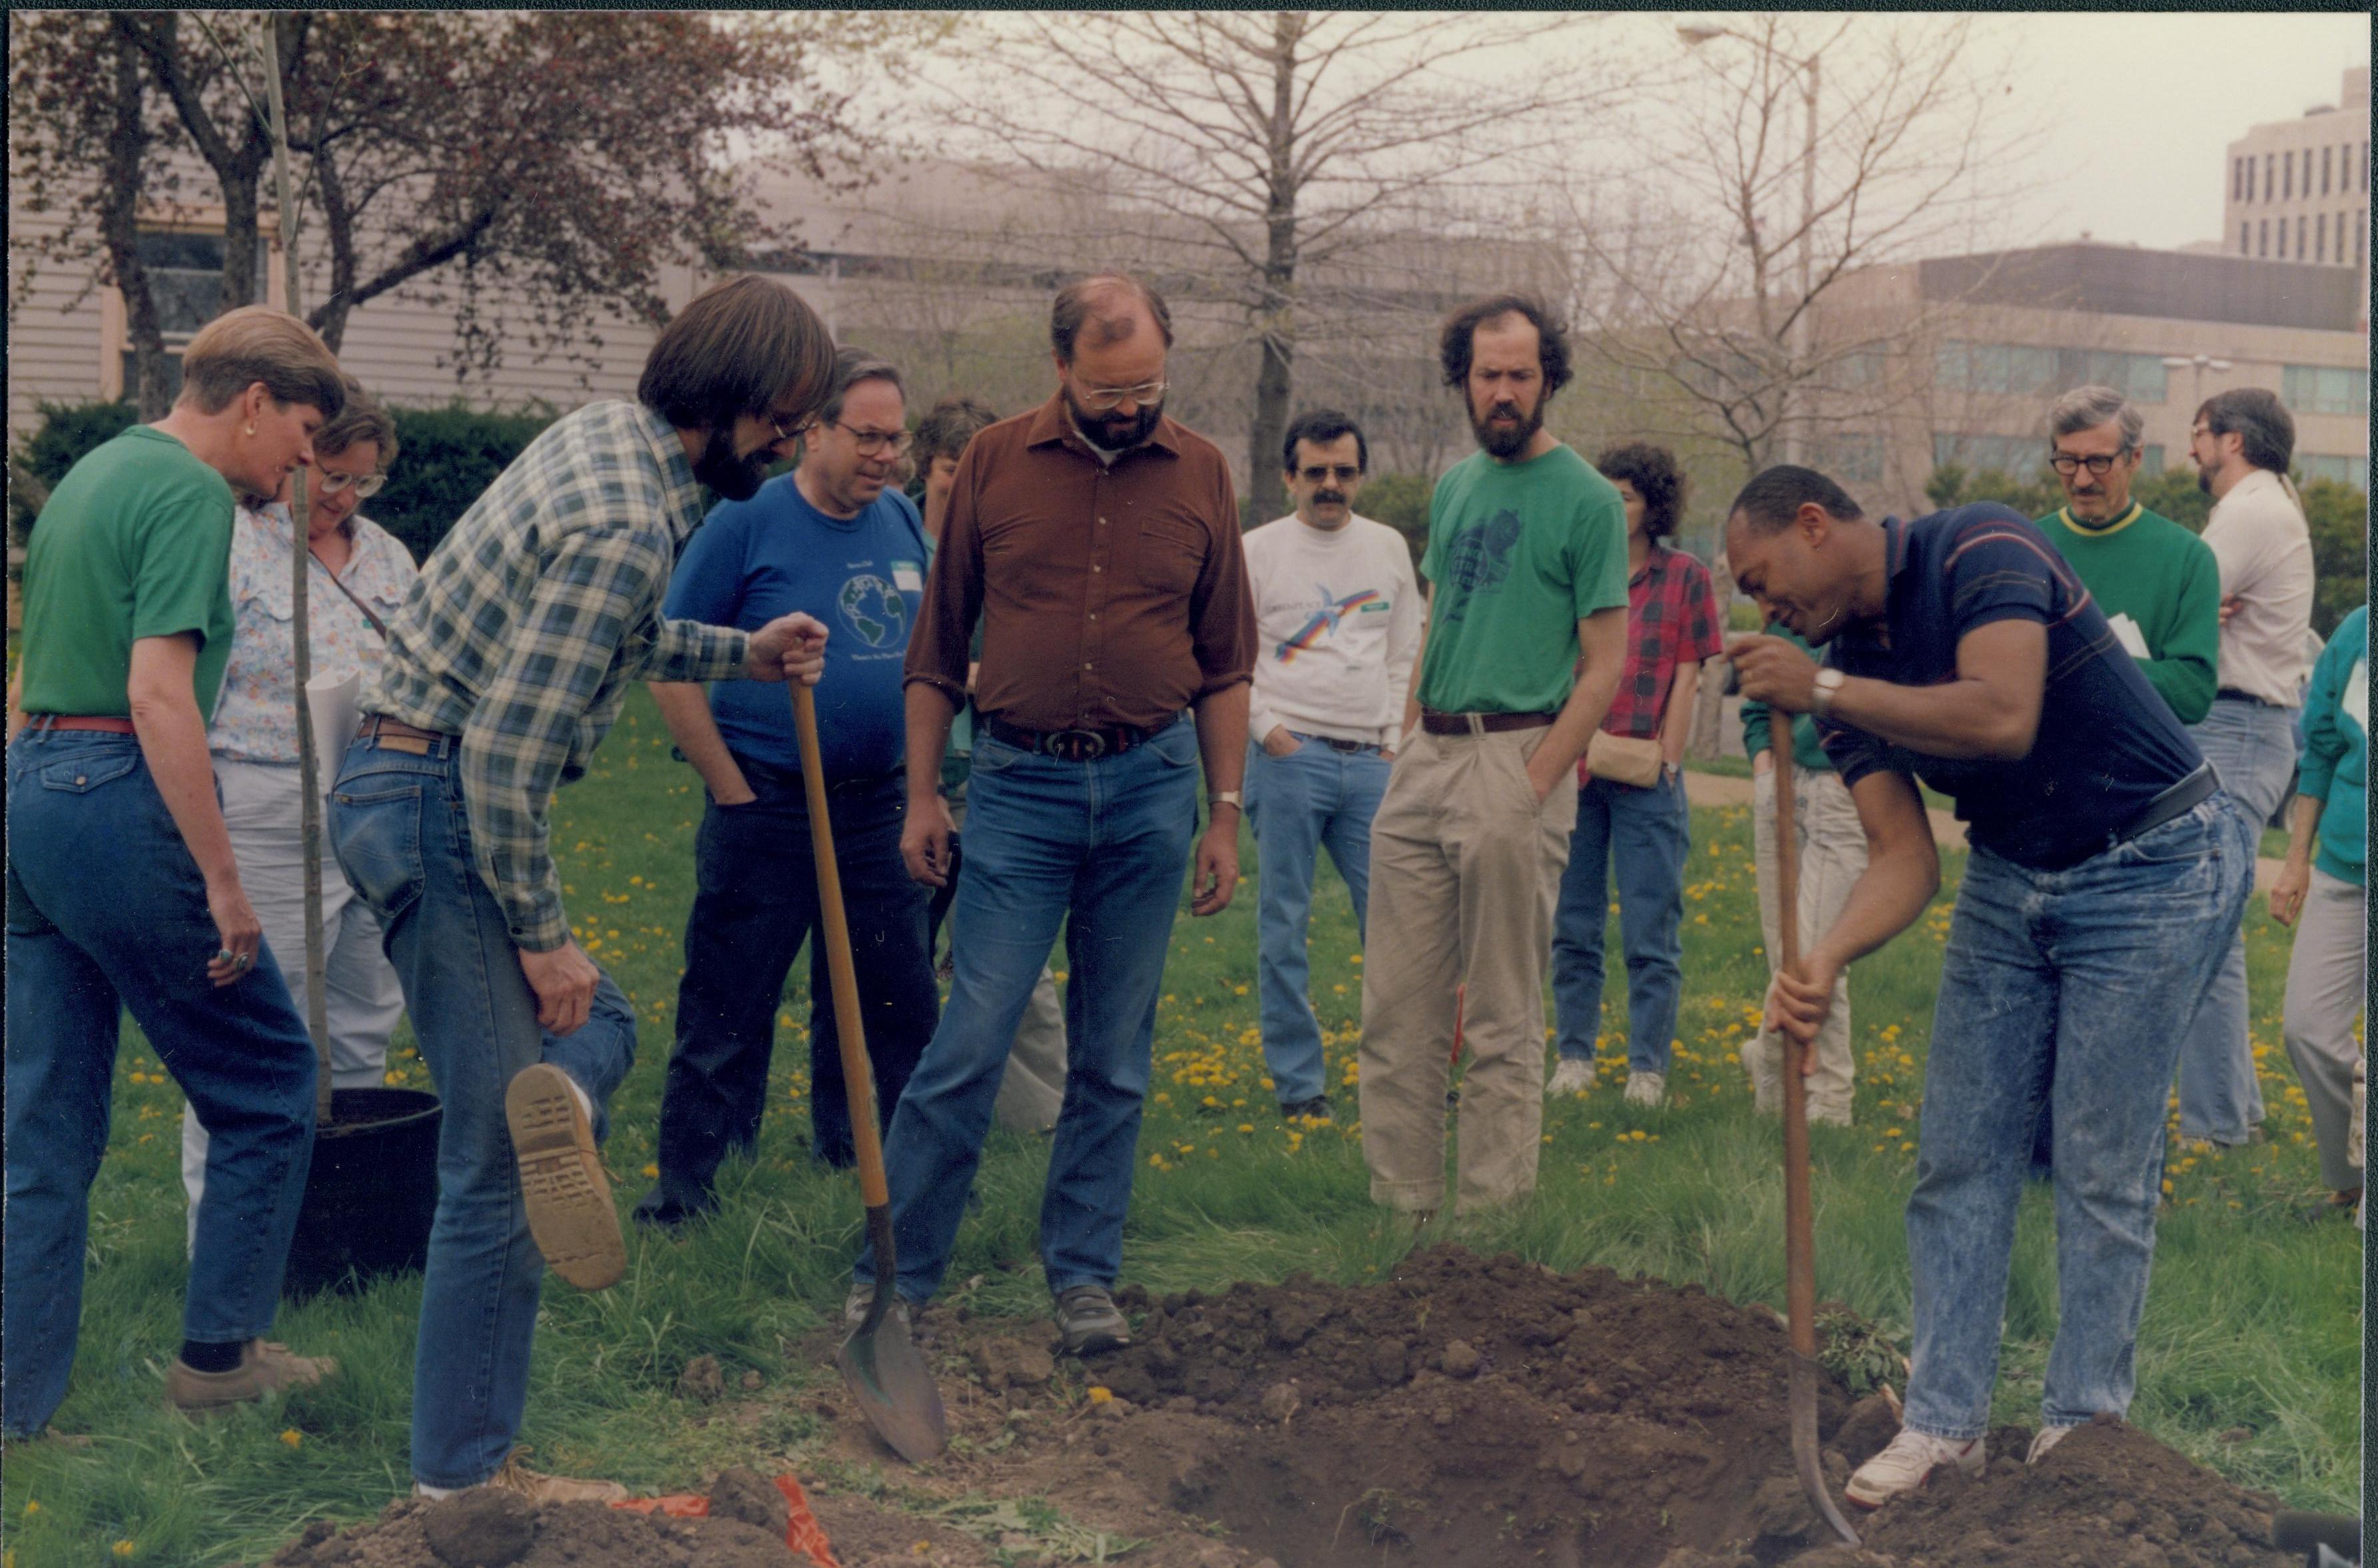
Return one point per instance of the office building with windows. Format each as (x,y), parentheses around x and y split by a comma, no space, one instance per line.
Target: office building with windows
(2298,190)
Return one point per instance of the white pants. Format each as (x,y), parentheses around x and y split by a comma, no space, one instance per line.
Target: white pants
(261,807)
(2325,980)
(1832,857)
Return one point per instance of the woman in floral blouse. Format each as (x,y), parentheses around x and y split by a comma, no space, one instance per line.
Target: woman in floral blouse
(360,574)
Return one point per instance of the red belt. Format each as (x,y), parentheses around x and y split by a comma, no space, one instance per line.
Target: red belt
(106,725)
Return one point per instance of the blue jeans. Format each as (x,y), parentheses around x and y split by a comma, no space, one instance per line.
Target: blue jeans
(755,902)
(398,830)
(2069,988)
(1101,846)
(1314,795)
(106,912)
(2254,749)
(1644,834)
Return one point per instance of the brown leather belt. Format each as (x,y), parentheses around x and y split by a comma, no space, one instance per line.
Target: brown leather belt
(397,735)
(104,724)
(1492,724)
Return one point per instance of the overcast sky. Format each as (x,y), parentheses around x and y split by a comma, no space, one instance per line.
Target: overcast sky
(2135,111)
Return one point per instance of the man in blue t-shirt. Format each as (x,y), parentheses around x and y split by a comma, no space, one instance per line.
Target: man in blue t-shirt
(836,540)
(2107,872)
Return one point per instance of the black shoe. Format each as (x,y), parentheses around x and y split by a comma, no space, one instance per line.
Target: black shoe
(663,1211)
(1315,1109)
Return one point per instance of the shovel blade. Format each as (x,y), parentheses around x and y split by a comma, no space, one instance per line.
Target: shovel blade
(887,1375)
(1805,1456)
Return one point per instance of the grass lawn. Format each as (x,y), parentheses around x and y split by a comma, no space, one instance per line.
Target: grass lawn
(2249,1355)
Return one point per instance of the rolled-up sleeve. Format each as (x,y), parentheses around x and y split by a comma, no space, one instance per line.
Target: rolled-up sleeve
(1222,606)
(942,643)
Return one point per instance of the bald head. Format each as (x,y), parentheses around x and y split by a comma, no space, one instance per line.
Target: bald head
(1107,307)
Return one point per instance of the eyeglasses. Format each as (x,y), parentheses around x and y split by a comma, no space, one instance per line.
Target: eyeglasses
(798,432)
(2068,465)
(1317,474)
(365,486)
(871,442)
(1106,400)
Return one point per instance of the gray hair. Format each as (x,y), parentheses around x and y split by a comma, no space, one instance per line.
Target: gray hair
(850,368)
(2085,408)
(361,419)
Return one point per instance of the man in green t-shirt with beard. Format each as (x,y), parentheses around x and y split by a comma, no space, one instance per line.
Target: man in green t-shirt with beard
(2158,582)
(1527,568)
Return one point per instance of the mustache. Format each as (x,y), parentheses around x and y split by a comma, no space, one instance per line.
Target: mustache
(1328,497)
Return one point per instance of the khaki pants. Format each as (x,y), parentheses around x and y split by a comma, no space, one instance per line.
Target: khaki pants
(2324,996)
(1465,870)
(1832,857)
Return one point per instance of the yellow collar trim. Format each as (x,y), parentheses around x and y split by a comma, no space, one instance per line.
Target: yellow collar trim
(2100,530)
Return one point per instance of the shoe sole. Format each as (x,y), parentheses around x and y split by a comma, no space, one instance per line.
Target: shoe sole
(1919,1486)
(1098,1342)
(570,1214)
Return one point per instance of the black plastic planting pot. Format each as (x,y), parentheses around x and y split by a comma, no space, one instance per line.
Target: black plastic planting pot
(371,1195)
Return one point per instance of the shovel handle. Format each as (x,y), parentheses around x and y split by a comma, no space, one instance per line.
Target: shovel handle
(857,1080)
(1799,1222)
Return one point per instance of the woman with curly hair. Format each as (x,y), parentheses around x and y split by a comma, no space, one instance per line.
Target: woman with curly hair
(1630,811)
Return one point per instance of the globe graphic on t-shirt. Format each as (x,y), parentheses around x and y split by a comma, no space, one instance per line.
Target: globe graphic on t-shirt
(874,610)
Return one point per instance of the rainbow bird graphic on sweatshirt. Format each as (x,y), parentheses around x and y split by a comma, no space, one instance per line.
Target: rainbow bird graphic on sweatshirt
(1324,620)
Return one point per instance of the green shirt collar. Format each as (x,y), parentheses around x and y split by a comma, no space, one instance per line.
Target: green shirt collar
(2099,530)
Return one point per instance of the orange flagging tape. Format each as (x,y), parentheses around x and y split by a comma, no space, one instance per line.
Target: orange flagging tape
(802,1532)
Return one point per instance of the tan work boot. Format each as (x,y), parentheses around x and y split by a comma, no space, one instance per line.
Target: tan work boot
(570,1208)
(538,1487)
(264,1366)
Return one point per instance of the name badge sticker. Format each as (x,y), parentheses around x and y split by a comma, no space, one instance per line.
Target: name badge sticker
(907,578)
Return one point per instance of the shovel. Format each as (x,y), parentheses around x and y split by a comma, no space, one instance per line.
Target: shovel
(1799,1226)
(882,1370)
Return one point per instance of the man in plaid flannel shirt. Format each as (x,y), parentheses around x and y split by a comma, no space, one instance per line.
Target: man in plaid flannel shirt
(505,668)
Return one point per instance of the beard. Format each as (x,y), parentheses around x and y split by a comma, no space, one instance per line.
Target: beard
(737,478)
(2204,480)
(1509,440)
(1115,431)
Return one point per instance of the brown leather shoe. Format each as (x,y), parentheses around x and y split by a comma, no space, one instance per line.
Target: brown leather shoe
(570,1208)
(538,1487)
(264,1366)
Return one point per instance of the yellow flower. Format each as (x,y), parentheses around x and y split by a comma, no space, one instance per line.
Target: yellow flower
(122,1549)
(293,1437)
(1100,1395)
(651,1172)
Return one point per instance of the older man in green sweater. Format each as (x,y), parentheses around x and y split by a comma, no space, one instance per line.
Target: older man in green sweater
(2158,582)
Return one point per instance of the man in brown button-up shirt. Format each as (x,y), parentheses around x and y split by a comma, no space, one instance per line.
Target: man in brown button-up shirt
(1097,543)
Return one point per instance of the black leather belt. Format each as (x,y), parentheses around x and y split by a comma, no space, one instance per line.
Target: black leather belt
(2178,800)
(1491,724)
(1351,748)
(2232,694)
(1076,744)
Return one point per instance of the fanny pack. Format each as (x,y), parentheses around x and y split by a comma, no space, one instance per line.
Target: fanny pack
(1623,759)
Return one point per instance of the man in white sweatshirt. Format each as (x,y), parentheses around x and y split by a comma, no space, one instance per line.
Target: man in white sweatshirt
(1339,612)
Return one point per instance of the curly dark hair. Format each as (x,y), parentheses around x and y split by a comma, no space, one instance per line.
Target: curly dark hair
(944,432)
(1456,339)
(1653,473)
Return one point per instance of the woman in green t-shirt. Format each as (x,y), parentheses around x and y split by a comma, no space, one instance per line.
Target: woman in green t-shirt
(123,891)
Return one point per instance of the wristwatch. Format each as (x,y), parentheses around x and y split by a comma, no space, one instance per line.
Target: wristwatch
(1828,685)
(1224,797)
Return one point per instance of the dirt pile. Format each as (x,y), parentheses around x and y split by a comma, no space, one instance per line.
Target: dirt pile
(486,1528)
(1472,1412)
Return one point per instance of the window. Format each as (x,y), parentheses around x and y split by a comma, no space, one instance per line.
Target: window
(2325,388)
(1853,458)
(2021,456)
(2323,171)
(2267,237)
(2026,370)
(2342,471)
(2287,175)
(185,271)
(2320,236)
(2300,236)
(2269,187)
(2235,179)
(2245,239)
(2283,239)
(2151,458)
(2360,234)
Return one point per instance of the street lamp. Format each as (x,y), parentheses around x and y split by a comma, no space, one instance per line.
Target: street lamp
(2201,362)
(1694,37)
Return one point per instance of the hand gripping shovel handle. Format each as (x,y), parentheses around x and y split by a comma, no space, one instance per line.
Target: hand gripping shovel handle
(1799,1222)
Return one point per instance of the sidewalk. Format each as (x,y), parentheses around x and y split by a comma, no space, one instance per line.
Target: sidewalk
(1717,789)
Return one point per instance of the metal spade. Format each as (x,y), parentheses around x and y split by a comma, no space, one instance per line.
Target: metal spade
(884,1371)
(1799,1222)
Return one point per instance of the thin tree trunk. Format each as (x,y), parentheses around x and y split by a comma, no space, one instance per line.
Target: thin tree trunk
(1709,700)
(330,318)
(1276,316)
(121,225)
(309,755)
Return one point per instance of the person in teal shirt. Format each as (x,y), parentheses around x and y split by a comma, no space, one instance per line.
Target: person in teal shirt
(2323,895)
(2158,584)
(1832,857)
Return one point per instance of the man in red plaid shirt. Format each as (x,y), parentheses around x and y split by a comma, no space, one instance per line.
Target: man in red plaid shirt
(1631,807)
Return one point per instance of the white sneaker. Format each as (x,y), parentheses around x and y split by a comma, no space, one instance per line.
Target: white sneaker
(1646,1088)
(2049,1438)
(1907,1462)
(1573,1076)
